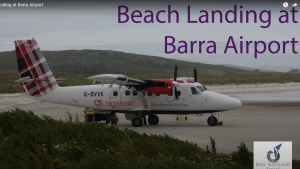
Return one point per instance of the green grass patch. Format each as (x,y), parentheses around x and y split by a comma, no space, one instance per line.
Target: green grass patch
(10,88)
(29,141)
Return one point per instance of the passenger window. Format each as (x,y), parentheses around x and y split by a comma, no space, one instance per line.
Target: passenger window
(115,93)
(194,91)
(149,94)
(157,94)
(127,92)
(134,93)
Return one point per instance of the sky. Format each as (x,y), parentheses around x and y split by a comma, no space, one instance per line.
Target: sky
(94,25)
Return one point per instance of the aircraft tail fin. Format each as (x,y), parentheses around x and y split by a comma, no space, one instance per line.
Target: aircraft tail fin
(36,77)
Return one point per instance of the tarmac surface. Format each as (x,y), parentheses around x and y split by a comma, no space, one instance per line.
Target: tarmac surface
(272,121)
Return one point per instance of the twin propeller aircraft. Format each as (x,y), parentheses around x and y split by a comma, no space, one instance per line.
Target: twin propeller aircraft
(118,93)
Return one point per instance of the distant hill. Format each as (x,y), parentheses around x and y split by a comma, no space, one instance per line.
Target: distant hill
(249,69)
(92,62)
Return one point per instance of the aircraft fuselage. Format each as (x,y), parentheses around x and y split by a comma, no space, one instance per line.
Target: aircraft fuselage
(124,99)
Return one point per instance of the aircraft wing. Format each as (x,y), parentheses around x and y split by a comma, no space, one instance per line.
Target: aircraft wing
(116,79)
(139,85)
(123,80)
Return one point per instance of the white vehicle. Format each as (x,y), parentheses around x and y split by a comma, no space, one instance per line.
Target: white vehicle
(118,93)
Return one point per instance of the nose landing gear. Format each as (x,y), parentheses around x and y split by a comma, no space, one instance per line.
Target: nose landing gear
(212,121)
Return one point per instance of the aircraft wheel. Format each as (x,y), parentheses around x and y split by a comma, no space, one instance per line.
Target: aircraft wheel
(137,121)
(185,118)
(153,119)
(212,121)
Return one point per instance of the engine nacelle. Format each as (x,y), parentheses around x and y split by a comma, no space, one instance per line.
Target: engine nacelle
(182,81)
(161,90)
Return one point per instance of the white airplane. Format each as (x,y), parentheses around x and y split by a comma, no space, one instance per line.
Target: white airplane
(118,93)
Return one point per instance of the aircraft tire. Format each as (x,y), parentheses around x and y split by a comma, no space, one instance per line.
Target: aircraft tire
(153,119)
(137,121)
(212,121)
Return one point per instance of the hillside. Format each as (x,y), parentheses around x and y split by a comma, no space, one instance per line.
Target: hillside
(249,68)
(91,62)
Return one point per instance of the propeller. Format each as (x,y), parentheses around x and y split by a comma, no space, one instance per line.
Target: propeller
(174,84)
(175,73)
(195,74)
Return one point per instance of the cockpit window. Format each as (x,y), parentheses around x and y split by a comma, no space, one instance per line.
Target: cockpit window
(201,88)
(195,91)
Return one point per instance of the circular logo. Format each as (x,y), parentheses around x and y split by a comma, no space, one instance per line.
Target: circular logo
(273,160)
(285,4)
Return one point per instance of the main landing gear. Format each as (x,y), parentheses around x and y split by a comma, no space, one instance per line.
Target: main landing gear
(138,121)
(153,119)
(212,121)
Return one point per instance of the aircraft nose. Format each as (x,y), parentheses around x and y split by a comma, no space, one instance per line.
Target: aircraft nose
(234,103)
(222,102)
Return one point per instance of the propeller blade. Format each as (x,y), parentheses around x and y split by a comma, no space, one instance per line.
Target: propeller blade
(175,73)
(195,74)
(176,93)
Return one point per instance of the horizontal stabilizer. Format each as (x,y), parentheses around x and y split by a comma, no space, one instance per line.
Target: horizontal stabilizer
(24,79)
(28,80)
(60,80)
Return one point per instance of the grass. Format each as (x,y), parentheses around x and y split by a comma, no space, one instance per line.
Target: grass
(10,87)
(29,141)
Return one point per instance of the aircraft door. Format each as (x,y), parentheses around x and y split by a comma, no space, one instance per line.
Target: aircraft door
(171,97)
(115,98)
